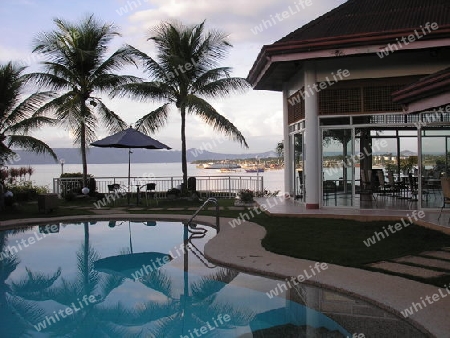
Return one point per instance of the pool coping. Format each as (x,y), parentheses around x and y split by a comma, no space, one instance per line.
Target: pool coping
(240,248)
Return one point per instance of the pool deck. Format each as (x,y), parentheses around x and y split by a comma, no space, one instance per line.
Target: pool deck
(240,247)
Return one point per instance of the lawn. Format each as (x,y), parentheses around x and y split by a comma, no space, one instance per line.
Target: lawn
(341,242)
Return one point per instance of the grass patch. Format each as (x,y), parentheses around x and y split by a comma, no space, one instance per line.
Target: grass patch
(30,210)
(340,241)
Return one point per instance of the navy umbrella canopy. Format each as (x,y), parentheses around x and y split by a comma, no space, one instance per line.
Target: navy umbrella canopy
(130,138)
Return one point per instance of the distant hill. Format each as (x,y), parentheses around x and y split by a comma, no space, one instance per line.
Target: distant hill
(116,155)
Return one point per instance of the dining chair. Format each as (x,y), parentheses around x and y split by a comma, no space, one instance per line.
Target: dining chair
(113,189)
(366,185)
(151,191)
(384,188)
(414,188)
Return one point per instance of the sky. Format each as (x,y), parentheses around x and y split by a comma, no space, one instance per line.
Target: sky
(257,114)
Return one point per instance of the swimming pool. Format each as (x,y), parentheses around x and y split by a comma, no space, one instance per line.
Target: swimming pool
(135,279)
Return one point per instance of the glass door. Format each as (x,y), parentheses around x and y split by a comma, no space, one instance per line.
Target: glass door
(435,164)
(338,167)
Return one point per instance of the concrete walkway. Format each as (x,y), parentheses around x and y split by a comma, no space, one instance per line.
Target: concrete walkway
(240,248)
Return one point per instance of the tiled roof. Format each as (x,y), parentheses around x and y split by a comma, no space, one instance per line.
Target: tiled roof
(355,23)
(373,16)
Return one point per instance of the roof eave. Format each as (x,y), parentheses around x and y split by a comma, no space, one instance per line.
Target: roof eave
(264,59)
(432,85)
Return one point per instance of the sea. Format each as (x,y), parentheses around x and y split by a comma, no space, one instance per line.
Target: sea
(45,173)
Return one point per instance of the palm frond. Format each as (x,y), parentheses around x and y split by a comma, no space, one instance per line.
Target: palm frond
(89,125)
(26,109)
(31,123)
(30,143)
(153,120)
(145,91)
(52,81)
(210,116)
(123,56)
(151,67)
(223,87)
(109,82)
(111,120)
(11,84)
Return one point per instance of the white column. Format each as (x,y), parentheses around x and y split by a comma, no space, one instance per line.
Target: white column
(312,139)
(288,160)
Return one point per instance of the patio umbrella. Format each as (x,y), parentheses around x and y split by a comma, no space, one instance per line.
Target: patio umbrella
(130,138)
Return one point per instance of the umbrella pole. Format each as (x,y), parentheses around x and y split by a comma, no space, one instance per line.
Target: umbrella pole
(129,170)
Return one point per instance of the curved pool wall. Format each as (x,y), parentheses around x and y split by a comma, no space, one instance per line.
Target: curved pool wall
(59,273)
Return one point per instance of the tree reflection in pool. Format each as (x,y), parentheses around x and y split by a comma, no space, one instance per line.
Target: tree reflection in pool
(80,281)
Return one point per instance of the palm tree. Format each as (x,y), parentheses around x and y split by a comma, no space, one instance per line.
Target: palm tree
(186,73)
(18,116)
(280,149)
(78,67)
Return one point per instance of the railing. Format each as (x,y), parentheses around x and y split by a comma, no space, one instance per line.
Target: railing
(206,186)
(209,200)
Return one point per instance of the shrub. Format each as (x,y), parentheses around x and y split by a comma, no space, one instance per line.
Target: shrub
(174,192)
(246,195)
(25,191)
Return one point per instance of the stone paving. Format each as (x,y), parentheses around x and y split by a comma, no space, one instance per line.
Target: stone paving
(438,254)
(432,263)
(418,266)
(406,269)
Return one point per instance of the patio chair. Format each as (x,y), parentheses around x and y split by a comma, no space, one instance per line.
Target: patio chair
(384,188)
(366,185)
(113,189)
(192,184)
(445,183)
(414,189)
(150,191)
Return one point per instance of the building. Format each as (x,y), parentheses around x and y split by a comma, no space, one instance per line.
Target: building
(370,77)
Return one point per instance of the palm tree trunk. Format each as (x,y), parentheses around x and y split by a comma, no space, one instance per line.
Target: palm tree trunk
(183,147)
(83,143)
(83,154)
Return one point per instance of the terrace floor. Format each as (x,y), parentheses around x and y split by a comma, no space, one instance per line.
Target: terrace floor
(278,206)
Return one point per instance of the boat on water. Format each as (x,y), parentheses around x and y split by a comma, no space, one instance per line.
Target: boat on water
(255,170)
(222,165)
(226,170)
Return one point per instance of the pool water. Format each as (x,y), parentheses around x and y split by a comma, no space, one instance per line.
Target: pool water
(135,279)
